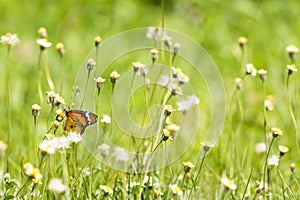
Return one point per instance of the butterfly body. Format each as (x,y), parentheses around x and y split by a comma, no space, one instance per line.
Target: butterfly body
(78,120)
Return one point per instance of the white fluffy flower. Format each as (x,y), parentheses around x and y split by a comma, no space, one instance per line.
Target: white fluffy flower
(121,155)
(104,150)
(273,161)
(186,104)
(105,119)
(74,137)
(56,185)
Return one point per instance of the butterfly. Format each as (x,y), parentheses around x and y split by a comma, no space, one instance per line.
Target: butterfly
(78,120)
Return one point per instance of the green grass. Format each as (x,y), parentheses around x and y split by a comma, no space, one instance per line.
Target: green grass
(270,26)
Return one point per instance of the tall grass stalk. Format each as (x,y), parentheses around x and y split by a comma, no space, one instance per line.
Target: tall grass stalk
(8,79)
(291,111)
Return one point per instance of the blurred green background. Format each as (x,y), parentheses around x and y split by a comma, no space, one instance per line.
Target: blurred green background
(269,25)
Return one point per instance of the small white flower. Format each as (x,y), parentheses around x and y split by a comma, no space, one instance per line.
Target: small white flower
(164,80)
(47,147)
(56,185)
(228,183)
(273,161)
(105,119)
(250,69)
(183,78)
(121,155)
(9,39)
(260,148)
(176,190)
(175,89)
(238,82)
(186,104)
(74,137)
(193,99)
(269,105)
(104,150)
(61,142)
(155,33)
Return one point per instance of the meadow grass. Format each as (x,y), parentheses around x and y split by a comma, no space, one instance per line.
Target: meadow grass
(256,155)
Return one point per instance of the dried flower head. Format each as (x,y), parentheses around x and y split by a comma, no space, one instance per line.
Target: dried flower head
(269,104)
(250,69)
(55,124)
(291,68)
(276,132)
(292,167)
(139,68)
(206,146)
(3,147)
(35,110)
(176,48)
(238,83)
(97,40)
(114,76)
(168,41)
(292,51)
(56,185)
(90,64)
(42,31)
(60,48)
(262,74)
(283,150)
(242,42)
(154,54)
(99,82)
(9,39)
(187,166)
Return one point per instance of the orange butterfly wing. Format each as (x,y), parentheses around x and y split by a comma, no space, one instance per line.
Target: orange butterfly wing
(78,120)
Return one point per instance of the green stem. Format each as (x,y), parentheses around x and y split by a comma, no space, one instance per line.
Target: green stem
(198,174)
(85,89)
(40,91)
(265,167)
(285,184)
(62,74)
(265,114)
(48,76)
(8,104)
(248,181)
(292,112)
(66,175)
